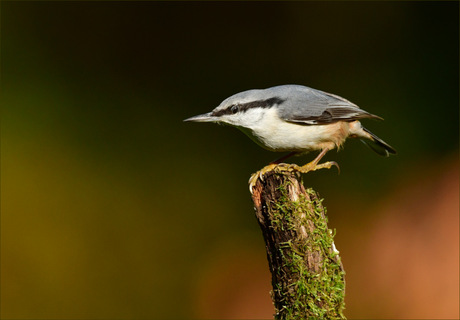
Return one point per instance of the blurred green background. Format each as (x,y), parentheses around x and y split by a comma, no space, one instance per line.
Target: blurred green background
(112,207)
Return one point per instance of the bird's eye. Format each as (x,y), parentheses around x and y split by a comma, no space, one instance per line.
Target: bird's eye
(234,108)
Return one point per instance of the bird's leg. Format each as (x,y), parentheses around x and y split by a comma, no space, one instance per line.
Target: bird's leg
(313,165)
(284,167)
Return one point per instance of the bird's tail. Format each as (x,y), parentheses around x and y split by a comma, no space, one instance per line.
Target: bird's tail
(377,144)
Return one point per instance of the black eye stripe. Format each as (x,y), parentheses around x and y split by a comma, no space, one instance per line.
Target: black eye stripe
(234,108)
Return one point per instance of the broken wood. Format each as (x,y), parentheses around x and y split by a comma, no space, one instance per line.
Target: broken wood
(307,274)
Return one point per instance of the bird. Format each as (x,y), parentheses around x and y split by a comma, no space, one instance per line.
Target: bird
(296,119)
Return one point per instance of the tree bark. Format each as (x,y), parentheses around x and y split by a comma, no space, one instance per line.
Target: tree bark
(307,275)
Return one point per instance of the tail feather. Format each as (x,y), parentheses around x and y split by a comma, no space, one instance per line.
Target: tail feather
(377,145)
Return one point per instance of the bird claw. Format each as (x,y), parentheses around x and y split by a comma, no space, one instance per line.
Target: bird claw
(284,167)
(277,167)
(313,166)
(260,175)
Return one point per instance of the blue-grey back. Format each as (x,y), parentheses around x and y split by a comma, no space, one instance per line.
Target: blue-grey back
(310,106)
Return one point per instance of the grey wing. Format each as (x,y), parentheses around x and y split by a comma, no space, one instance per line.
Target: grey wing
(311,106)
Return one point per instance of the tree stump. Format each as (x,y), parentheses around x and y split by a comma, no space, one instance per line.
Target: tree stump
(307,274)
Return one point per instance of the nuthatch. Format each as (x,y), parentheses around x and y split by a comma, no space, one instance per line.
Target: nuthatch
(298,119)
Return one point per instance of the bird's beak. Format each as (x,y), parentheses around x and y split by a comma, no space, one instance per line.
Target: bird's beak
(206,117)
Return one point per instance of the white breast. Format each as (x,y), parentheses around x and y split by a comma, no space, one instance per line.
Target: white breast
(275,134)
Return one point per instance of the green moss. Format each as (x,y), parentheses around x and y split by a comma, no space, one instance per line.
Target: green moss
(310,279)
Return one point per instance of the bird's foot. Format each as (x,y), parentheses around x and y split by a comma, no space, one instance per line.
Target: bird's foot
(284,167)
(277,167)
(312,166)
(260,174)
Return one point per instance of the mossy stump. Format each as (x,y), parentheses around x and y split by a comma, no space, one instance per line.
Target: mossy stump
(307,275)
